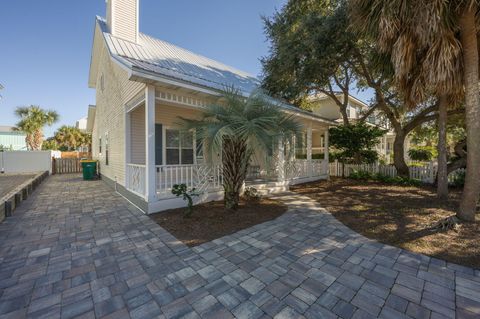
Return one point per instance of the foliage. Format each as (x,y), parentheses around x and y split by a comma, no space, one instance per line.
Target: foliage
(397,180)
(251,194)
(4,148)
(355,142)
(50,144)
(187,195)
(32,120)
(459,179)
(236,126)
(70,138)
(421,154)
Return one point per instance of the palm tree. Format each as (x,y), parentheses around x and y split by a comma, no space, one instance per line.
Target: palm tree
(434,50)
(32,120)
(236,127)
(70,137)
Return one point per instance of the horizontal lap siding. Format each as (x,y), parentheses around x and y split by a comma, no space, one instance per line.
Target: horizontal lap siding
(110,115)
(125,23)
(164,114)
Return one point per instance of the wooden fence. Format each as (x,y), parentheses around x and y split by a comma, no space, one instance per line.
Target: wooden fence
(66,165)
(426,173)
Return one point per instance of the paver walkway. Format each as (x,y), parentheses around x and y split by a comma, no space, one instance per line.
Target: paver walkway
(76,249)
(8,182)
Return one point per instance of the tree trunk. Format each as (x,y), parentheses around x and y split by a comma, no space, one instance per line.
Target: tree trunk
(343,111)
(235,159)
(468,38)
(399,154)
(442,177)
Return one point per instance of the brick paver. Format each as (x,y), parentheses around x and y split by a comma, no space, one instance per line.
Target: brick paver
(77,249)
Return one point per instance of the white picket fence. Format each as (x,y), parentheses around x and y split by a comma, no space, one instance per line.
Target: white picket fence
(426,173)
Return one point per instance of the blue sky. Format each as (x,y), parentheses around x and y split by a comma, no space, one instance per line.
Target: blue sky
(45,45)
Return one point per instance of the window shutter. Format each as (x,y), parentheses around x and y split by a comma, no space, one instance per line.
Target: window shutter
(158,144)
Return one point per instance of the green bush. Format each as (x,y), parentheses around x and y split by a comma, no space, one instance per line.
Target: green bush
(251,194)
(182,190)
(422,153)
(459,180)
(397,180)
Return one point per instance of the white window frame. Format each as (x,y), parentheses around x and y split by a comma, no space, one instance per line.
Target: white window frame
(164,145)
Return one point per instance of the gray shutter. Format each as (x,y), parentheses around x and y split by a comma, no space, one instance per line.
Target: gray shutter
(158,144)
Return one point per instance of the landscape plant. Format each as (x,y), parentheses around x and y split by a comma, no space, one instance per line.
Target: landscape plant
(181,190)
(235,127)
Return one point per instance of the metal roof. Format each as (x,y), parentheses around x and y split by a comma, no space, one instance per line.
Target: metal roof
(165,59)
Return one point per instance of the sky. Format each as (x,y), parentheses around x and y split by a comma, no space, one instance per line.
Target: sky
(45,46)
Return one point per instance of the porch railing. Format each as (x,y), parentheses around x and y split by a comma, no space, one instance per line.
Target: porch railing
(201,177)
(135,179)
(302,168)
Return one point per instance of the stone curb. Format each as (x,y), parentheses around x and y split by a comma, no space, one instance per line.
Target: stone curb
(10,202)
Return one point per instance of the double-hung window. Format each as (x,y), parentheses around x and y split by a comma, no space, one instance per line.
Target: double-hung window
(179,147)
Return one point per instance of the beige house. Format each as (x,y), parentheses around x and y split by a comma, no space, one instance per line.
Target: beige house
(142,87)
(326,107)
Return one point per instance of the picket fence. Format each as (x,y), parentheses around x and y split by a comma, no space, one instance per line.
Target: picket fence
(425,173)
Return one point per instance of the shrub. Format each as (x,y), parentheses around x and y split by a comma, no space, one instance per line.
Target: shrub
(182,190)
(459,179)
(360,175)
(424,154)
(251,194)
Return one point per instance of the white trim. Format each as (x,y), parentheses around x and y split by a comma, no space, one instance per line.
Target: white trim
(150,183)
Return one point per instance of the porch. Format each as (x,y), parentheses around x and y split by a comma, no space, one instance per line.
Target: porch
(159,154)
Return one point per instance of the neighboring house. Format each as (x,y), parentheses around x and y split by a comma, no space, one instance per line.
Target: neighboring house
(326,107)
(11,139)
(81,124)
(143,85)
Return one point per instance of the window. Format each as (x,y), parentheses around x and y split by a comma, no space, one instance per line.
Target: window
(179,147)
(102,83)
(100,146)
(301,146)
(106,148)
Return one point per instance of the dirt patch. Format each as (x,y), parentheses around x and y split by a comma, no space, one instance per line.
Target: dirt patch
(399,216)
(210,221)
(8,182)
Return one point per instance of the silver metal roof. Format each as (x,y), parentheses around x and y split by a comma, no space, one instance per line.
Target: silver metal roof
(157,56)
(165,59)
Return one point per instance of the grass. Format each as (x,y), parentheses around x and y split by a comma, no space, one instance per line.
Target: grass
(400,216)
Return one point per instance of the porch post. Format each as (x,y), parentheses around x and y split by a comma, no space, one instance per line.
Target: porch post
(128,153)
(309,151)
(281,159)
(325,154)
(150,187)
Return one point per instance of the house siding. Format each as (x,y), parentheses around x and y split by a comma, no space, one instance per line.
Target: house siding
(110,115)
(167,115)
(122,16)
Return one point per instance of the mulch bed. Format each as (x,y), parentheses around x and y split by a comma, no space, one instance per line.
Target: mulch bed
(399,216)
(210,221)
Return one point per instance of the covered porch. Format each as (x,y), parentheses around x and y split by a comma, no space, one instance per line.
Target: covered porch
(159,154)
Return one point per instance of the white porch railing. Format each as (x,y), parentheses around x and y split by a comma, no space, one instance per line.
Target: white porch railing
(135,179)
(302,168)
(201,177)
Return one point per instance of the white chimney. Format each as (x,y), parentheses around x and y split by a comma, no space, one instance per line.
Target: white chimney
(122,19)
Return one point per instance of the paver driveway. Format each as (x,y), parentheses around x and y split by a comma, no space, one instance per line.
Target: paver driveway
(77,249)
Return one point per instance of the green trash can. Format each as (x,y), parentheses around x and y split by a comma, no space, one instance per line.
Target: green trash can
(89,169)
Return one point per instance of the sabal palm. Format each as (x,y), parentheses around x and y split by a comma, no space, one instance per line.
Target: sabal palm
(32,120)
(434,48)
(237,126)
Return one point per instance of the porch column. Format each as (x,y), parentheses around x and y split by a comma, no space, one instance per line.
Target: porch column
(325,153)
(309,151)
(128,153)
(281,160)
(150,187)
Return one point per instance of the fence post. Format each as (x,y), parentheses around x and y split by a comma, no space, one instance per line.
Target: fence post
(54,166)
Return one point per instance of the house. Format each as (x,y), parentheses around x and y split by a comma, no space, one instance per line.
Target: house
(326,107)
(12,140)
(143,85)
(81,124)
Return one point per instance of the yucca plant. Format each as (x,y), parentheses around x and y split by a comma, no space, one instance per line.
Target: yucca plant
(235,127)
